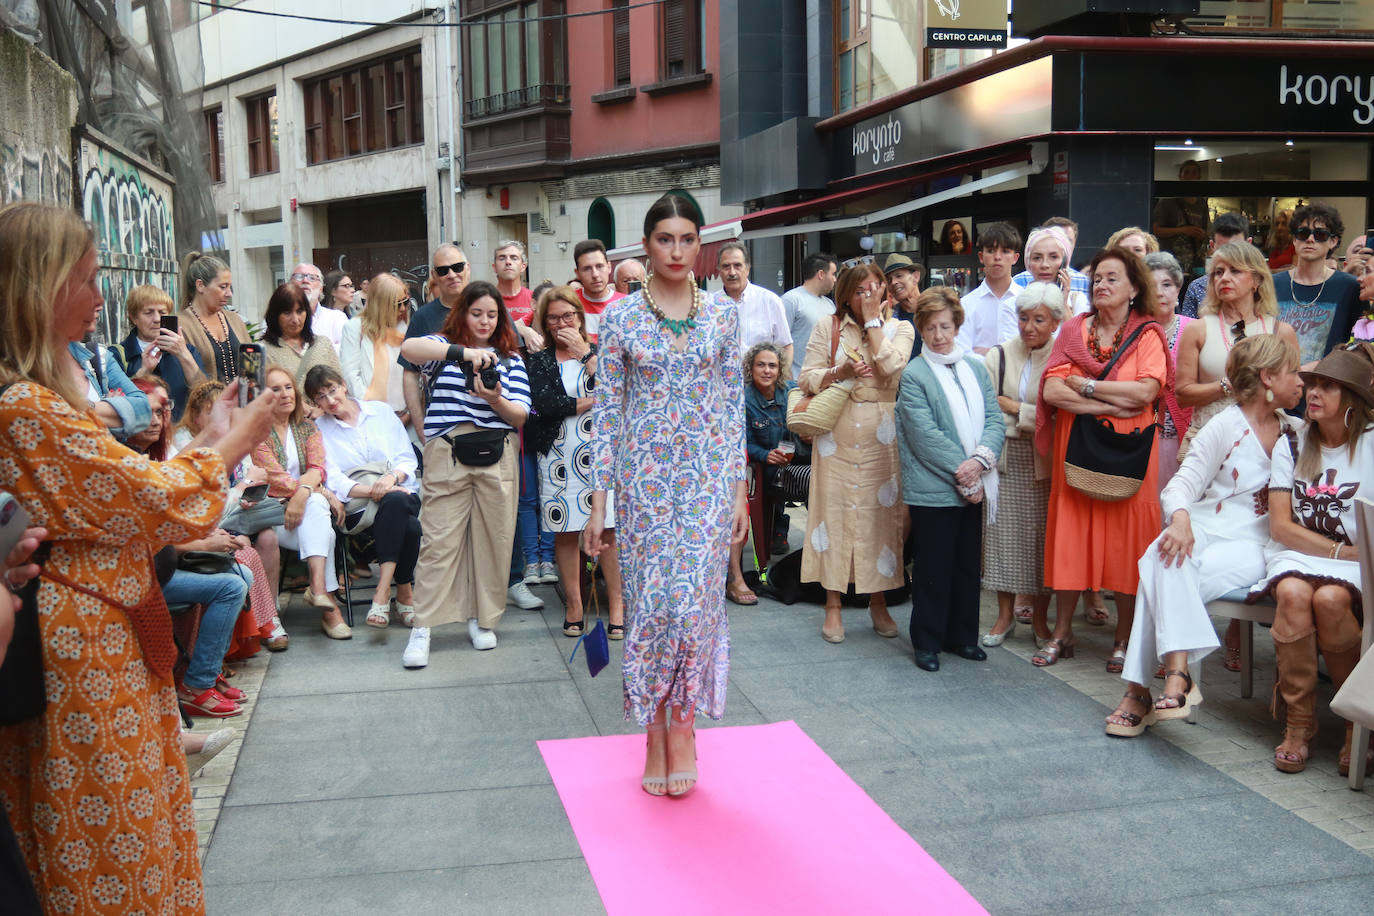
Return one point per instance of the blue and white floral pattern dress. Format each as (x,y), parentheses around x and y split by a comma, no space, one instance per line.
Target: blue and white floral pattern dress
(669,441)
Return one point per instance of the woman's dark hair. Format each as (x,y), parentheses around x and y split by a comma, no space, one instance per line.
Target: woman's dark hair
(503,337)
(1146,300)
(286,298)
(947,244)
(669,206)
(321,377)
(331,283)
(199,267)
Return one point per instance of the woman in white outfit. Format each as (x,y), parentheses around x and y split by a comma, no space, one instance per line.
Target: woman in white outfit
(1217,508)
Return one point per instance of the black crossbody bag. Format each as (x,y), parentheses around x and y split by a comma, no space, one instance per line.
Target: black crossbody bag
(1101,462)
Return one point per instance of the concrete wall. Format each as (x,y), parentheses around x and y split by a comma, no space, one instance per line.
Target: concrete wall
(38,99)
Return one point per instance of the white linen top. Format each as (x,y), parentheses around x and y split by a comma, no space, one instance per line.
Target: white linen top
(378,436)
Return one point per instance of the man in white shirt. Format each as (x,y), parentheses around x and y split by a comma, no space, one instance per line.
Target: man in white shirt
(809,303)
(326,322)
(990,310)
(594,273)
(761,316)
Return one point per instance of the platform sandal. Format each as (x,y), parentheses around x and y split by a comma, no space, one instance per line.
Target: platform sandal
(1054,649)
(1135,723)
(1182,703)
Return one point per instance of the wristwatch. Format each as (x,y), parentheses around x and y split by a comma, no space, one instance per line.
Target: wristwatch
(873,323)
(1089,386)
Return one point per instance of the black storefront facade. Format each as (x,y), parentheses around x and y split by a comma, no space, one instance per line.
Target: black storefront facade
(1102,130)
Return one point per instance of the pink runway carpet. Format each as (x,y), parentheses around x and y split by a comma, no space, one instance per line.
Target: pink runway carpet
(773,826)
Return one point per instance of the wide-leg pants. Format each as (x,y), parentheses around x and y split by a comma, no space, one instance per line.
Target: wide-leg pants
(314,537)
(468,517)
(1171,606)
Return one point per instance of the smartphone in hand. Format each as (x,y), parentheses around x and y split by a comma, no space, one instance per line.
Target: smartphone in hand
(14,521)
(169,323)
(252,372)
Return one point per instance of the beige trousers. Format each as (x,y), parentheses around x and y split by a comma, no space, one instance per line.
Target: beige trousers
(468,517)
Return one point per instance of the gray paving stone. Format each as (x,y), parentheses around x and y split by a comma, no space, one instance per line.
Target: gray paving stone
(563,886)
(412,741)
(341,837)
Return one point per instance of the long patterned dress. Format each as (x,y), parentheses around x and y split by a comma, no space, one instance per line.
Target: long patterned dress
(97,788)
(669,441)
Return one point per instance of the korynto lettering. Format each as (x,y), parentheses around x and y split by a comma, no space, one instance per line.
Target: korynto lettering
(1319,89)
(880,139)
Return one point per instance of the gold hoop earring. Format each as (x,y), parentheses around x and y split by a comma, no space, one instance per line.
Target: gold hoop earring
(1348,412)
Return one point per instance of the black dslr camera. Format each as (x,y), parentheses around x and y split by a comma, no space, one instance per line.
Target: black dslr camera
(491,376)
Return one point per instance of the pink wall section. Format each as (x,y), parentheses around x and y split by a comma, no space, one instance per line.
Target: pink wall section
(686,117)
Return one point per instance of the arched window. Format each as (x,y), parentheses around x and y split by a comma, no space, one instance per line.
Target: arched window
(601,222)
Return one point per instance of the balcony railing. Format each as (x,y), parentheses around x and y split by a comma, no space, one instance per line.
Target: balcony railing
(516,99)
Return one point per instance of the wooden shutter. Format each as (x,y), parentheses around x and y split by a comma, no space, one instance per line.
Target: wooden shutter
(675,37)
(620,42)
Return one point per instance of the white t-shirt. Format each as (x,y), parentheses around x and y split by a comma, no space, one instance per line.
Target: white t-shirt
(1326,503)
(803,310)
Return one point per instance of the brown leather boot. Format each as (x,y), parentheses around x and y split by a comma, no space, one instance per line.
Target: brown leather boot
(1339,665)
(1297,684)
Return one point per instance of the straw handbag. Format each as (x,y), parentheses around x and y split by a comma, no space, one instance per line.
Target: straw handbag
(1102,463)
(816,414)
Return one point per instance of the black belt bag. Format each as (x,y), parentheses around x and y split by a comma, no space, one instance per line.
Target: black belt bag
(480,449)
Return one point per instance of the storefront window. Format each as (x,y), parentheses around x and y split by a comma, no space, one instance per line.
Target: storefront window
(876,44)
(1296,160)
(1284,15)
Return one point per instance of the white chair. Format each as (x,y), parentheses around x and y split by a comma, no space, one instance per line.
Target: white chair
(1364,528)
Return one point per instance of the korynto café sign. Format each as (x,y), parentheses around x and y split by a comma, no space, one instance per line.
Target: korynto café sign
(966,23)
(1340,93)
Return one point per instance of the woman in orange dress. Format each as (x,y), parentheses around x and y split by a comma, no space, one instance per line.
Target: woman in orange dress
(1091,543)
(97,787)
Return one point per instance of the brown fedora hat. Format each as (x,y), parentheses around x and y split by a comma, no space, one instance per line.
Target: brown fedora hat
(1347,368)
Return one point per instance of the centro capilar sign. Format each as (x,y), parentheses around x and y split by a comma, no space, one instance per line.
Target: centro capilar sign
(966,23)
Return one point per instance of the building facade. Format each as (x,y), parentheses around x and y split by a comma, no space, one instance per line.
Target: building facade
(328,142)
(577,115)
(865,148)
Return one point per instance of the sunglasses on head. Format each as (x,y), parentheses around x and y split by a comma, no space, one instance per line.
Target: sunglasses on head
(1307,232)
(457,267)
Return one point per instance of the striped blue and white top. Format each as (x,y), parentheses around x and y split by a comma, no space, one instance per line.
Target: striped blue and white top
(450,403)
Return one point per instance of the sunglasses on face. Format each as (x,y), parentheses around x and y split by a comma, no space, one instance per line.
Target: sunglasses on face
(1307,232)
(457,267)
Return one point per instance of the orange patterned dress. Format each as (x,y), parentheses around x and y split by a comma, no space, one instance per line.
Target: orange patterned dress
(97,789)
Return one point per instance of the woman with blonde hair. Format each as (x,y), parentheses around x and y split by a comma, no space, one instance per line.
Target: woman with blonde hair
(149,344)
(213,329)
(854,524)
(1216,510)
(109,739)
(372,340)
(1133,239)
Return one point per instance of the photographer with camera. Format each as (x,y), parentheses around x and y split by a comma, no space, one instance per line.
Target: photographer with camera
(479,398)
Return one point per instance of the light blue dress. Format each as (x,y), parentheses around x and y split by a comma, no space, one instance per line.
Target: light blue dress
(669,441)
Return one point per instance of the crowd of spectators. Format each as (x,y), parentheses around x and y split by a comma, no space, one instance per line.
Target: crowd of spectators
(463,449)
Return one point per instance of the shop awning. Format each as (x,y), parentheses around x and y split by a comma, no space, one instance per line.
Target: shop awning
(1039,156)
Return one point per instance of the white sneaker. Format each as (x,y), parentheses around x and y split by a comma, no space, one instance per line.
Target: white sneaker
(548,572)
(520,595)
(533,576)
(416,654)
(481,638)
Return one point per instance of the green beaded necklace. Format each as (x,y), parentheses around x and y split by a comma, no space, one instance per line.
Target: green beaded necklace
(677,326)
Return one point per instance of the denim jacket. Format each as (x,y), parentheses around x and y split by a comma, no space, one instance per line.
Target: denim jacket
(131,404)
(766,422)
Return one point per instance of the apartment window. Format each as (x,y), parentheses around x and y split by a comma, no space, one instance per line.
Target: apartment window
(1283,15)
(214,147)
(262,133)
(515,57)
(874,62)
(684,44)
(620,43)
(374,106)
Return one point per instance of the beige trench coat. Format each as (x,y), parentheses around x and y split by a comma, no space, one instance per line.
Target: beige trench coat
(854,514)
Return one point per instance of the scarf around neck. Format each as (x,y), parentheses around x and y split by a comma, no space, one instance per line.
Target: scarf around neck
(1070,348)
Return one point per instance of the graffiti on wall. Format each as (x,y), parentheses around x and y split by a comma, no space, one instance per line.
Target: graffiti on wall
(43,175)
(129,206)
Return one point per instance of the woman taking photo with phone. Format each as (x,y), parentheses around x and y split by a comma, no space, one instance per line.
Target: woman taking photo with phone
(472,480)
(107,651)
(669,440)
(207,323)
(155,347)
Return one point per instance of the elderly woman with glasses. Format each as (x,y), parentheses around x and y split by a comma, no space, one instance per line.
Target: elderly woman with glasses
(1014,540)
(1174,419)
(562,391)
(370,466)
(854,521)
